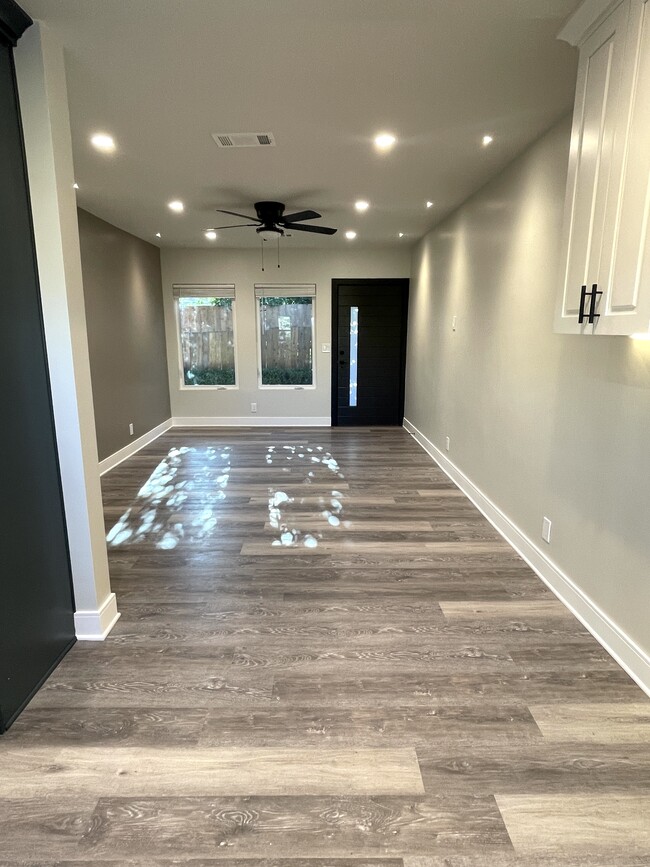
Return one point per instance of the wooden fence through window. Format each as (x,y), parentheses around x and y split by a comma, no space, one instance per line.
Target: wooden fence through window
(286,336)
(208,338)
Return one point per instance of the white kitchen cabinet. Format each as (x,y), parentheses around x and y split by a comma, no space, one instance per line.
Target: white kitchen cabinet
(606,255)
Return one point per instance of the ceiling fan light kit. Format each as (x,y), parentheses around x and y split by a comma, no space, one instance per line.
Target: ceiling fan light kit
(269,234)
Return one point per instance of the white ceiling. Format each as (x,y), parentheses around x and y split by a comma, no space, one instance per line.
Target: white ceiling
(324,76)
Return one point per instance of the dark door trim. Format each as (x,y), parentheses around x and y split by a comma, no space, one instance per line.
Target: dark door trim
(13,22)
(403,283)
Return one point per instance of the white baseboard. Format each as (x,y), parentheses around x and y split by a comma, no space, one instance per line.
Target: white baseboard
(133,447)
(252,421)
(94,625)
(619,645)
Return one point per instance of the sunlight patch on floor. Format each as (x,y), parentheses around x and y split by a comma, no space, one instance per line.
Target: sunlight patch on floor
(315,460)
(166,511)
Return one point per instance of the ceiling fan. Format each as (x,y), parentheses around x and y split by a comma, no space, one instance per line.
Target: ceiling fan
(271,221)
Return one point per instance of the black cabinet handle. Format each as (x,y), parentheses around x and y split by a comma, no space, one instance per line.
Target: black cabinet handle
(595,294)
(583,298)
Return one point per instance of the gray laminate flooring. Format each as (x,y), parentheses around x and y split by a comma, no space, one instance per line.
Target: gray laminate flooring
(326,658)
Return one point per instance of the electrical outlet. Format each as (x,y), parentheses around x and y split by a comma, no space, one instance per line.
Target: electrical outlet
(253,407)
(131,429)
(546,530)
(447,443)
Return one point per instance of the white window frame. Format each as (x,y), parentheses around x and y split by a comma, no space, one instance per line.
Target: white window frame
(204,290)
(285,290)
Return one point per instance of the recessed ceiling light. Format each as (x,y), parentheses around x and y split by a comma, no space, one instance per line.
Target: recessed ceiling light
(158,235)
(350,235)
(429,204)
(211,235)
(103,142)
(362,205)
(487,139)
(400,234)
(385,141)
(75,186)
(176,206)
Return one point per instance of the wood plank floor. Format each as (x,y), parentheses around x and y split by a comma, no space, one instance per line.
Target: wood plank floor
(326,658)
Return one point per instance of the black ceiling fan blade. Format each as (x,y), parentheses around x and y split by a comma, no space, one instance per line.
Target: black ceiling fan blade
(235,226)
(235,214)
(317,230)
(299,216)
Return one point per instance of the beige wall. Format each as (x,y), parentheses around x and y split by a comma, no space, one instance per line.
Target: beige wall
(126,336)
(542,424)
(242,267)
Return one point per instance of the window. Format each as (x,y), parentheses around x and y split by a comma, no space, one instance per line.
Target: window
(354,354)
(286,334)
(206,322)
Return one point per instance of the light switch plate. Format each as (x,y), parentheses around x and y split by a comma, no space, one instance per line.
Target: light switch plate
(326,347)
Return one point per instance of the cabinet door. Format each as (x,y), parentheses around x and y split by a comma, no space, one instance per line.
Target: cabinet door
(625,278)
(590,205)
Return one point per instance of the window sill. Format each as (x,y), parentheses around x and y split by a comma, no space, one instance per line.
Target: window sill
(209,388)
(286,387)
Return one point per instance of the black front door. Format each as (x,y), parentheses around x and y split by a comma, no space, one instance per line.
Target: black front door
(36,606)
(369,320)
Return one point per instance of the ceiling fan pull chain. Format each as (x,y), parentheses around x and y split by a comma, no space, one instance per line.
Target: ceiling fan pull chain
(262,254)
(278,251)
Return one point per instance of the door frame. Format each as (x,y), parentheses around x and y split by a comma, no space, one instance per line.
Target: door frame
(399,282)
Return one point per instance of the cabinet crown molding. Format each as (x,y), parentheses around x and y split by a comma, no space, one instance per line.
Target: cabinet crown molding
(585,19)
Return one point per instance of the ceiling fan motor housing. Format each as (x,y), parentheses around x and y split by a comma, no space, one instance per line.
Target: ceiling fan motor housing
(269,213)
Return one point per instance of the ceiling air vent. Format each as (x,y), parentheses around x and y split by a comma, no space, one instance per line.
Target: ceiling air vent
(243,139)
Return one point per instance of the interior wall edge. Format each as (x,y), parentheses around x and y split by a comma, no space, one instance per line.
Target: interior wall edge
(42,91)
(127,451)
(608,634)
